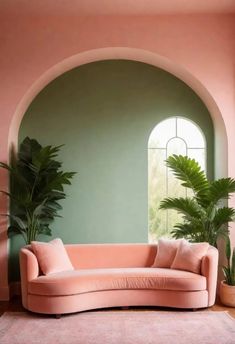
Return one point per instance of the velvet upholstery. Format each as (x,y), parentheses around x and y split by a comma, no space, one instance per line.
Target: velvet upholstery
(88,280)
(117,298)
(166,253)
(209,269)
(108,275)
(189,256)
(52,256)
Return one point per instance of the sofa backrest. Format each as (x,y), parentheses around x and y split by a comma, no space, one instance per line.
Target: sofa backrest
(93,256)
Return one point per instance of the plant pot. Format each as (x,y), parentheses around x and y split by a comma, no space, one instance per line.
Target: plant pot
(227,294)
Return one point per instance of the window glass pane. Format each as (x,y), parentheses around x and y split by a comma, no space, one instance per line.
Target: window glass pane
(157,191)
(172,218)
(199,156)
(188,131)
(176,146)
(174,187)
(163,132)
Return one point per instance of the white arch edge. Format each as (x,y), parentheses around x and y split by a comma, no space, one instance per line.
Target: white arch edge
(128,53)
(140,55)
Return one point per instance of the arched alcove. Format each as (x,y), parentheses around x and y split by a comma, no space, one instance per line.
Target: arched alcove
(126,54)
(103,112)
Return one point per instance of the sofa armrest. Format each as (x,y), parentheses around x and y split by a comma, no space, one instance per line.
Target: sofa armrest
(209,269)
(29,270)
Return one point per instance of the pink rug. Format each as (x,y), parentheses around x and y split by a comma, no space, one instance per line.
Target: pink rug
(121,327)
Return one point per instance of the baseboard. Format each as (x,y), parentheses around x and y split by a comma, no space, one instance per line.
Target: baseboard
(4,294)
(15,289)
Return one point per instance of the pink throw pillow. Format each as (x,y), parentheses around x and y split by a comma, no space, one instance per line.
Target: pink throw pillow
(189,256)
(52,256)
(166,251)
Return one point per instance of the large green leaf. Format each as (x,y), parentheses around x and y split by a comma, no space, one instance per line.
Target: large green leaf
(229,270)
(192,231)
(36,185)
(223,216)
(19,222)
(221,189)
(189,172)
(186,206)
(27,148)
(203,218)
(228,249)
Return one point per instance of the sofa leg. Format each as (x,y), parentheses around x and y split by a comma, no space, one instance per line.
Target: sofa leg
(57,316)
(125,307)
(194,309)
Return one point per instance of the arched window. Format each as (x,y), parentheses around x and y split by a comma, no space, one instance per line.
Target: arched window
(175,135)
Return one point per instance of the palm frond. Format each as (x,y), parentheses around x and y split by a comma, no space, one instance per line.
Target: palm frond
(189,172)
(221,189)
(18,221)
(188,231)
(202,219)
(223,216)
(186,206)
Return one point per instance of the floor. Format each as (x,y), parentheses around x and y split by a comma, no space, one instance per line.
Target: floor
(14,305)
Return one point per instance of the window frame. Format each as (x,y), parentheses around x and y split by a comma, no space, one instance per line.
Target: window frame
(188,148)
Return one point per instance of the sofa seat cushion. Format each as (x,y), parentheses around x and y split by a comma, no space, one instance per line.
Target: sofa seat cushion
(90,280)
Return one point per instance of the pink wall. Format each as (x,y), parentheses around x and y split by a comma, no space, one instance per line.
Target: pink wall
(199,49)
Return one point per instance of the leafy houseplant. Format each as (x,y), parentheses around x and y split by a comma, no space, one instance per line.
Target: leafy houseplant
(229,270)
(227,287)
(205,218)
(36,186)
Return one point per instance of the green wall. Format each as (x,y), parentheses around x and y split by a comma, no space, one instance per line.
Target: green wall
(104,112)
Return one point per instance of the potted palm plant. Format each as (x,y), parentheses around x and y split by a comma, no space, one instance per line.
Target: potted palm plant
(36,187)
(227,287)
(205,217)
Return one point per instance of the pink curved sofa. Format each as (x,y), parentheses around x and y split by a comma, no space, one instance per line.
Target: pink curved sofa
(113,275)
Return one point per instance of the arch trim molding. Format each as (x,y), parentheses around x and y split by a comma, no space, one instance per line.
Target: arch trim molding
(124,53)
